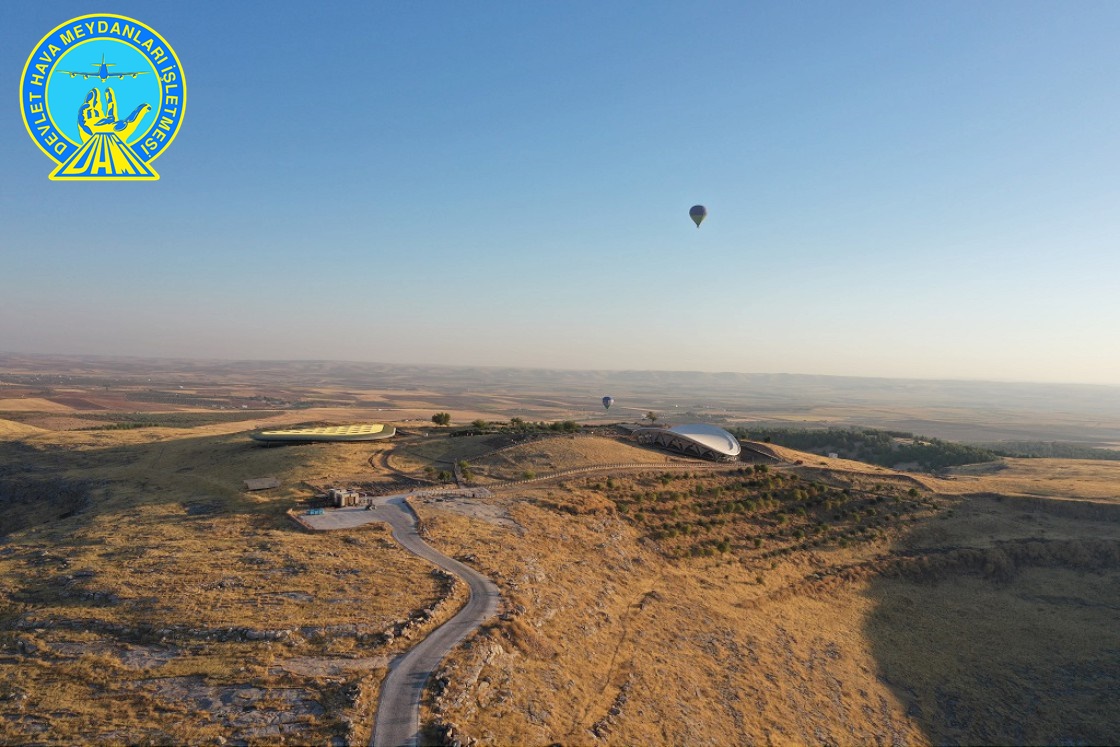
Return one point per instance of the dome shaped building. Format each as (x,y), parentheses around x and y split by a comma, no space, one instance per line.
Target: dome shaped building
(697,440)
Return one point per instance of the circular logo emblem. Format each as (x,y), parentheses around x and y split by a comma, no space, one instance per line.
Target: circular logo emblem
(103,95)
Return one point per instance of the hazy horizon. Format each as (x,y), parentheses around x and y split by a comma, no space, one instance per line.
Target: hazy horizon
(106,358)
(925,191)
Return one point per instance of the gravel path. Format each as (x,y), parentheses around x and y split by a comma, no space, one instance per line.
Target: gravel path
(398,713)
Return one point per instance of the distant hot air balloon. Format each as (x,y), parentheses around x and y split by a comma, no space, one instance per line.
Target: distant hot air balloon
(607,402)
(698,213)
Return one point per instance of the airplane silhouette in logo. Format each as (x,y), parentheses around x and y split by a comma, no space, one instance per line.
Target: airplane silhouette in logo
(102,71)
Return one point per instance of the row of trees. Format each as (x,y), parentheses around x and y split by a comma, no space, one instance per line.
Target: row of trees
(759,512)
(516,425)
(1052,449)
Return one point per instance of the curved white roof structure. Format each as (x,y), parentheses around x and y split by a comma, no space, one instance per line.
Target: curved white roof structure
(697,439)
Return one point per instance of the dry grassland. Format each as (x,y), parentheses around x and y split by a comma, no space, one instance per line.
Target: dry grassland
(816,460)
(500,458)
(11,431)
(556,453)
(1013,639)
(606,642)
(412,456)
(1078,479)
(949,629)
(32,404)
(145,597)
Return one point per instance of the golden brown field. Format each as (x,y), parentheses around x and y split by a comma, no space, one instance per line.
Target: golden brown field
(1063,479)
(983,622)
(145,583)
(145,596)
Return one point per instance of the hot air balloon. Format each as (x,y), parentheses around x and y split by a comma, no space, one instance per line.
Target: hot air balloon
(698,213)
(607,402)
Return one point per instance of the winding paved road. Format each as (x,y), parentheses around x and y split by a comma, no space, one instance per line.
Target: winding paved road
(398,712)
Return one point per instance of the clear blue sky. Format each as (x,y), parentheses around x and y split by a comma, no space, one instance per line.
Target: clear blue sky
(919,189)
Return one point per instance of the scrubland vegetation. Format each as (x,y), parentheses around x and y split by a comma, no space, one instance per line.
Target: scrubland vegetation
(885,448)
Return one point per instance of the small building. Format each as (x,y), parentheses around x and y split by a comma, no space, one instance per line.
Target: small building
(342,497)
(261,483)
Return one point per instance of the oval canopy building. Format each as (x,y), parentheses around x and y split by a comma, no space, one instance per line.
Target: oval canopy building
(698,439)
(356,432)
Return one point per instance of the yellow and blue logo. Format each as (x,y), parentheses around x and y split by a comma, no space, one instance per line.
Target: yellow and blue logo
(103,96)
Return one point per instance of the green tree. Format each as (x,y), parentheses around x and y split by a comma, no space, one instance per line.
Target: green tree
(442,418)
(651,416)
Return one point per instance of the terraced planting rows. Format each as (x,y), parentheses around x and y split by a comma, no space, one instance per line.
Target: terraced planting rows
(760,512)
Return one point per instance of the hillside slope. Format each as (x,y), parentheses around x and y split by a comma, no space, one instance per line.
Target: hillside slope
(979,621)
(145,596)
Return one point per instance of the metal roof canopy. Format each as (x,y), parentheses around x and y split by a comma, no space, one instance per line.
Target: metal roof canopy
(355,432)
(697,439)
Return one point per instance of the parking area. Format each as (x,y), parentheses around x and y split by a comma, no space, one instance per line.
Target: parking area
(349,517)
(344,518)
